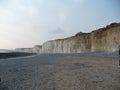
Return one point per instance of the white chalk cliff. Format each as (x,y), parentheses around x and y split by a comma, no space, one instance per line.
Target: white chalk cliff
(104,39)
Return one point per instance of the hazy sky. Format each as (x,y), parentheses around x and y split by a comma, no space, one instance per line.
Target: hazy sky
(25,23)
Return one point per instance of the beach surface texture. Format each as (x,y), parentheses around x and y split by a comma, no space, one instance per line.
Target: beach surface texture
(87,71)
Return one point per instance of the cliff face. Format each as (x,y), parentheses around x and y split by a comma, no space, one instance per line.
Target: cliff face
(37,49)
(104,39)
(75,44)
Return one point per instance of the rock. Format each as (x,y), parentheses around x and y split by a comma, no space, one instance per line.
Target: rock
(0,80)
(53,88)
(105,39)
(37,49)
(97,79)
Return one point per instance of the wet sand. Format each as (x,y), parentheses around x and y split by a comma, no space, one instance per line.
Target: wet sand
(60,72)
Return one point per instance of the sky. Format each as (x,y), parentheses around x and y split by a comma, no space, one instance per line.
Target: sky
(25,23)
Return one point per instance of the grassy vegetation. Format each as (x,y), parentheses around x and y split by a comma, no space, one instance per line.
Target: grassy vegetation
(14,54)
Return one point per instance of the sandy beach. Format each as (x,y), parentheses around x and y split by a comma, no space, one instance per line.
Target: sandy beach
(60,72)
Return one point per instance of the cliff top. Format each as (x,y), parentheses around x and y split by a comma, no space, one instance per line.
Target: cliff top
(112,25)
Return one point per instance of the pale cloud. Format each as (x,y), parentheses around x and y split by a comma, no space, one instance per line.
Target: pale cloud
(78,1)
(6,16)
(58,31)
(17,31)
(7,22)
(62,17)
(26,6)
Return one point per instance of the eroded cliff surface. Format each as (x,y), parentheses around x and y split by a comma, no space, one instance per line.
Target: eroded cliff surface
(104,39)
(75,44)
(37,49)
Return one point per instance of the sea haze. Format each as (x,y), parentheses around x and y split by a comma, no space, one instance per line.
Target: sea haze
(5,51)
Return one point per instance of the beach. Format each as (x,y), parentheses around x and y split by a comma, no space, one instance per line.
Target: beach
(61,72)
